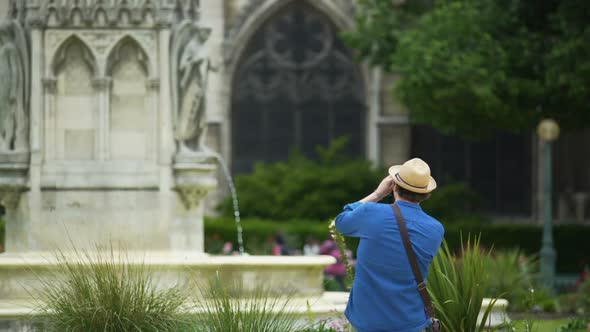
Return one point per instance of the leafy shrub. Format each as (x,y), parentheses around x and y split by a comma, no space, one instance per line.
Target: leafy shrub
(515,280)
(512,271)
(301,188)
(576,325)
(454,203)
(535,298)
(568,302)
(103,292)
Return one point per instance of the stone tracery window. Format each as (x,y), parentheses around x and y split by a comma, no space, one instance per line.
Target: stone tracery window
(296,87)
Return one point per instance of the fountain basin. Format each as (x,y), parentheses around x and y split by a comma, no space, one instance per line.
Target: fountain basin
(21,273)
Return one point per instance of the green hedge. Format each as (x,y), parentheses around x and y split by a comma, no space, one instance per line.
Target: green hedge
(258,234)
(572,242)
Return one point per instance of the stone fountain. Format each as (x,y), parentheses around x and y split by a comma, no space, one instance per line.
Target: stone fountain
(102,108)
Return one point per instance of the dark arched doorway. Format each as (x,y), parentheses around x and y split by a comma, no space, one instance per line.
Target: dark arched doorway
(296,87)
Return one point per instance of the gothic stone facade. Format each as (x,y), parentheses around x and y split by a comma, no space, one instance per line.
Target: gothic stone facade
(100,66)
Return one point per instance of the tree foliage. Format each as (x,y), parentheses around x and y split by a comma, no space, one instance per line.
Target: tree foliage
(470,67)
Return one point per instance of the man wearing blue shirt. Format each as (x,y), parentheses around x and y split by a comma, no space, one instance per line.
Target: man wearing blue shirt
(384,295)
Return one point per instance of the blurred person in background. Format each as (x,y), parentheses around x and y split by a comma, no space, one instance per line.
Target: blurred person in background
(311,247)
(279,246)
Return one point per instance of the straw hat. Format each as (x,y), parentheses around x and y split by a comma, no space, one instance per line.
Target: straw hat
(413,175)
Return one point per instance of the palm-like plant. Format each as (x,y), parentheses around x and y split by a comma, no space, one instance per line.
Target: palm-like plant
(458,285)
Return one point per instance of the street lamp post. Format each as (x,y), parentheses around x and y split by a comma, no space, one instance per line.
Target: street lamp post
(548,131)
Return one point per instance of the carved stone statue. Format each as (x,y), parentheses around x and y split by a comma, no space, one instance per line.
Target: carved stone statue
(189,73)
(14,88)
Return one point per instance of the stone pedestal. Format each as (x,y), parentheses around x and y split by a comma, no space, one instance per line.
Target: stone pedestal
(14,169)
(497,316)
(13,180)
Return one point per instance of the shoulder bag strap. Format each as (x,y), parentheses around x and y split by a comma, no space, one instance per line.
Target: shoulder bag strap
(413,261)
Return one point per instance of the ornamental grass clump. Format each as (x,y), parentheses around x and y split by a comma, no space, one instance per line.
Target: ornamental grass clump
(230,308)
(104,292)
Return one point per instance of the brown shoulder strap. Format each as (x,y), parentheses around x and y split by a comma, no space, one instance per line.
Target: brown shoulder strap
(413,261)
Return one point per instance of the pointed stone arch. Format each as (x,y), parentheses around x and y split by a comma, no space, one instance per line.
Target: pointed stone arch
(131,119)
(122,48)
(74,67)
(61,54)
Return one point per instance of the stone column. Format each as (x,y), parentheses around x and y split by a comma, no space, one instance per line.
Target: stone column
(373,146)
(186,228)
(167,146)
(538,162)
(153,87)
(36,109)
(102,117)
(15,234)
(213,16)
(49,127)
(36,132)
(394,127)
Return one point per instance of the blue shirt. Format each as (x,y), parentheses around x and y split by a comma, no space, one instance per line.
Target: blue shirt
(384,295)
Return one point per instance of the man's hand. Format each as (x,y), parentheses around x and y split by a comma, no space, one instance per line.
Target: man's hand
(385,187)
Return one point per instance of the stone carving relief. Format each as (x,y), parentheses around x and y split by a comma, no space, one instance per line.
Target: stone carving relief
(103,13)
(14,88)
(190,67)
(191,196)
(101,43)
